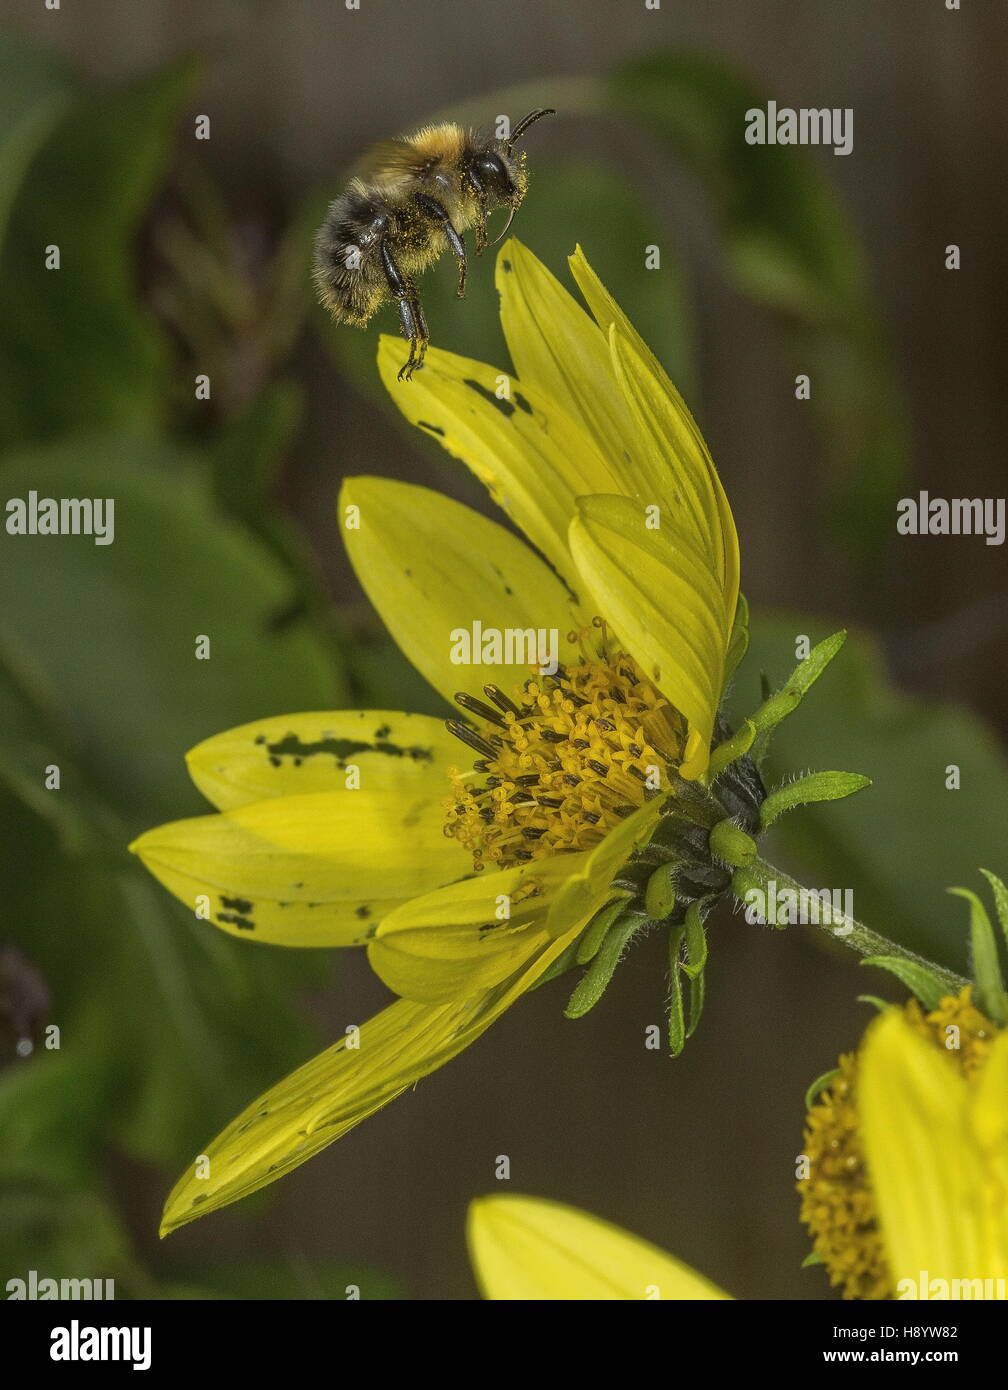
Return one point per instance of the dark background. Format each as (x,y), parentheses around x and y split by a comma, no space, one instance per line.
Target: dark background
(696,1154)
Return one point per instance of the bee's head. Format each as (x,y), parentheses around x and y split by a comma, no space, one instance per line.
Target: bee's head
(502,172)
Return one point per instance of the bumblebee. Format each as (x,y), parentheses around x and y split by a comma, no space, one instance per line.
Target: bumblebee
(411,199)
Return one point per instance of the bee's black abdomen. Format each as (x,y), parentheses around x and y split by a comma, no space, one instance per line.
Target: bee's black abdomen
(347,268)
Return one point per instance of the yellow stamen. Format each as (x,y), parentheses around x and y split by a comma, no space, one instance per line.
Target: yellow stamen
(566,759)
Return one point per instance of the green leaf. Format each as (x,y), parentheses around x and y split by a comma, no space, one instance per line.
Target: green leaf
(1000,900)
(929,989)
(899,849)
(660,893)
(820,1084)
(35,90)
(804,791)
(787,243)
(595,980)
(677,1030)
(696,942)
(990,991)
(697,994)
(77,352)
(587,944)
(49,1117)
(785,238)
(32,741)
(811,1259)
(880,1004)
(104,636)
(732,749)
(144,998)
(732,845)
(65,1232)
(779,706)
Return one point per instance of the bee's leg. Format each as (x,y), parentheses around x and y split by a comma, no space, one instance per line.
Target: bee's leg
(408,322)
(414,326)
(434,209)
(423,335)
(472,178)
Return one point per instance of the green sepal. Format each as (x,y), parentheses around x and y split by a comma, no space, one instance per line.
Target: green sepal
(694,963)
(772,711)
(990,991)
(812,1258)
(743,881)
(593,983)
(817,786)
(587,944)
(660,894)
(696,942)
(677,1033)
(881,1004)
(732,845)
(732,749)
(927,986)
(807,672)
(1000,900)
(738,642)
(789,697)
(697,994)
(820,1084)
(566,960)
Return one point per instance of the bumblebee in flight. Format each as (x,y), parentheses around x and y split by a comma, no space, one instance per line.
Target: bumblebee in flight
(411,199)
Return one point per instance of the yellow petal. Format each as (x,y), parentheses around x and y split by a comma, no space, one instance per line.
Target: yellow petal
(434,568)
(315,870)
(925,1167)
(469,935)
(680,475)
(662,605)
(526,1248)
(325,1098)
(989,1124)
(395,754)
(588,883)
(673,424)
(531,457)
(555,345)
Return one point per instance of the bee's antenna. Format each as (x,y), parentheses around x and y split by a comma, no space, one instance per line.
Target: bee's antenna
(507,224)
(524,124)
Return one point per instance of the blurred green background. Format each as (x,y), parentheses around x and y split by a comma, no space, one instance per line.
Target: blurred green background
(181,257)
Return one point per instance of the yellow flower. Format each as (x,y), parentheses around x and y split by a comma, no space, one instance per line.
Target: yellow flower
(467,885)
(908,1151)
(937,1150)
(592,452)
(525,1248)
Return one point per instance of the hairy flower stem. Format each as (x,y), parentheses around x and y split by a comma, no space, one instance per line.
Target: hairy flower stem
(758,874)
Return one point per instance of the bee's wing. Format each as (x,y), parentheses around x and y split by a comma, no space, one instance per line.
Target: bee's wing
(388,159)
